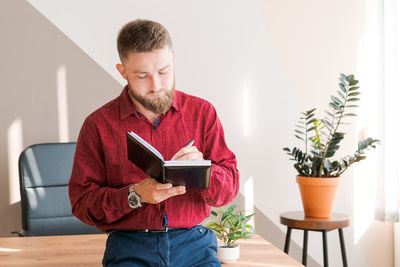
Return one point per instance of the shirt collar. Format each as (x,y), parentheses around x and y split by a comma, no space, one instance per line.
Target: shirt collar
(127,108)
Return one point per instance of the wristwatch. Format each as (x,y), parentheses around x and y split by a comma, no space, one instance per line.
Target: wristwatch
(134,200)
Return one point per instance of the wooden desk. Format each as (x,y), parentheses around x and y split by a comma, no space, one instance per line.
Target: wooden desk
(87,250)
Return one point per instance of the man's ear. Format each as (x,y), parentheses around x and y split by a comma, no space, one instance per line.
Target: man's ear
(121,69)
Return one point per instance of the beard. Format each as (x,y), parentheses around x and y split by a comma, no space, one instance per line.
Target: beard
(157,105)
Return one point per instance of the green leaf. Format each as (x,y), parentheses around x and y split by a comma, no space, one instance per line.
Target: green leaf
(224,216)
(330,154)
(249,216)
(349,115)
(350,77)
(311,111)
(352,106)
(327,123)
(352,99)
(214,225)
(334,106)
(333,147)
(342,87)
(330,114)
(354,88)
(231,208)
(336,100)
(285,149)
(354,93)
(353,82)
(299,156)
(299,132)
(341,95)
(299,137)
(213,213)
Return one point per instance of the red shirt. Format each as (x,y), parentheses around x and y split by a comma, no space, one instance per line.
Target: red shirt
(102,174)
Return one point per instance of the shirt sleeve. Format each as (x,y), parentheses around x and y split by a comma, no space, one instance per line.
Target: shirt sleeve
(224,180)
(92,202)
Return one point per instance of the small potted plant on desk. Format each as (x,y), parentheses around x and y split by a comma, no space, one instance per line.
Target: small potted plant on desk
(230,227)
(318,175)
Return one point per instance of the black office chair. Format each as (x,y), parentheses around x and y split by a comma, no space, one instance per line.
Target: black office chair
(44,172)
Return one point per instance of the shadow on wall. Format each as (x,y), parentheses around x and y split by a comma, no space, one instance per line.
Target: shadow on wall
(46,81)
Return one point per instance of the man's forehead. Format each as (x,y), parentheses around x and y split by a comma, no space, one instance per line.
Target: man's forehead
(156,59)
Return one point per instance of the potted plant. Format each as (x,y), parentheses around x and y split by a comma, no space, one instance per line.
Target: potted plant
(319,174)
(230,227)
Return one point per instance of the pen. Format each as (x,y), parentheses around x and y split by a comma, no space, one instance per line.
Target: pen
(190,143)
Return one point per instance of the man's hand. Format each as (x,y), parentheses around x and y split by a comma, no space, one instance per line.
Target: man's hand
(153,192)
(188,153)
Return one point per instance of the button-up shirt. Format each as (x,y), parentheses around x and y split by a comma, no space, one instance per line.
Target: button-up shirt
(102,174)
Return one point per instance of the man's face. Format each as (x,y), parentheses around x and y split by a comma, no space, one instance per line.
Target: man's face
(151,79)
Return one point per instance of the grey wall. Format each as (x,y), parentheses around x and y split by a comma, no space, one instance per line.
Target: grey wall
(31,51)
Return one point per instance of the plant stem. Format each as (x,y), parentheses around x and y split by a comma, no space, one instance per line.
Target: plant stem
(305,127)
(321,167)
(350,162)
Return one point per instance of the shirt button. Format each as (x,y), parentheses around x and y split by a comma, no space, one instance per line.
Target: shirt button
(154,127)
(162,207)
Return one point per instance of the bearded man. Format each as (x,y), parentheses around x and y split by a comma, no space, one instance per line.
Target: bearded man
(149,223)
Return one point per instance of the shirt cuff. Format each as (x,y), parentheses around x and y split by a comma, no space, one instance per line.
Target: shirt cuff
(207,193)
(121,199)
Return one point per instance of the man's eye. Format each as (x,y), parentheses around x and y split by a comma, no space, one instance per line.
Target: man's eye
(163,72)
(142,76)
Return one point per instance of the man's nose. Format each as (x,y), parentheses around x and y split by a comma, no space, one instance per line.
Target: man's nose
(155,83)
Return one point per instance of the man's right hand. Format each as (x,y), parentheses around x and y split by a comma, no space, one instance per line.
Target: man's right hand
(153,192)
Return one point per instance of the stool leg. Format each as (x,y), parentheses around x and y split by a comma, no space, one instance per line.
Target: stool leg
(325,246)
(305,244)
(342,247)
(287,240)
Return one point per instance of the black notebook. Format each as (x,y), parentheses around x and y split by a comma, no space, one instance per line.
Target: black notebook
(190,173)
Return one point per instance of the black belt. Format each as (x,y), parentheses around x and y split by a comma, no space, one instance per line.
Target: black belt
(162,230)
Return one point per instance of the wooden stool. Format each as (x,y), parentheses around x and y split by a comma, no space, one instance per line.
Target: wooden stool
(297,220)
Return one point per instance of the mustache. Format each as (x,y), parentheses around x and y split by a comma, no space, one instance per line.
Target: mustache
(157,92)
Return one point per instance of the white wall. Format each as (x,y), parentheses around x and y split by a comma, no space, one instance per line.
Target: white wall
(259,62)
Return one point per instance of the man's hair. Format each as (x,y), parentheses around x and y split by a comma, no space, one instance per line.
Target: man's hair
(142,36)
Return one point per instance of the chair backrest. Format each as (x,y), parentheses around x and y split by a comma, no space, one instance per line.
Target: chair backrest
(44,172)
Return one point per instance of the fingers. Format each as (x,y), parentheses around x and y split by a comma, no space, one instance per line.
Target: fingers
(177,190)
(188,153)
(184,151)
(163,186)
(154,192)
(192,156)
(158,196)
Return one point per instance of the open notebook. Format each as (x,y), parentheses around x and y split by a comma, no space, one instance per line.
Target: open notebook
(190,173)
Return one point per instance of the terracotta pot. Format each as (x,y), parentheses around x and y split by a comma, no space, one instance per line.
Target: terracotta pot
(318,195)
(228,254)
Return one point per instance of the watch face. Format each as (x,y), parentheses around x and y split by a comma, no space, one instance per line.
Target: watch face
(134,201)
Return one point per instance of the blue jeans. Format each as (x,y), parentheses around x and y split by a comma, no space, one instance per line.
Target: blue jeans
(196,246)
